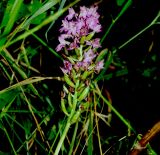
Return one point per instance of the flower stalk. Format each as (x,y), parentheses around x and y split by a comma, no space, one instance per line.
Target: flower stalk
(81,63)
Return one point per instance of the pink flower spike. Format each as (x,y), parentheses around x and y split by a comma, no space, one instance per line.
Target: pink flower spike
(85,65)
(75,26)
(59,47)
(92,22)
(94,43)
(62,39)
(92,11)
(71,14)
(72,46)
(97,28)
(89,56)
(83,12)
(72,28)
(65,26)
(64,70)
(67,67)
(78,65)
(80,24)
(99,66)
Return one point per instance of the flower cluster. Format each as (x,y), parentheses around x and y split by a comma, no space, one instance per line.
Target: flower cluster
(77,32)
(81,62)
(75,26)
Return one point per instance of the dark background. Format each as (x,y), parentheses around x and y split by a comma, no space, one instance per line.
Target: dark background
(134,95)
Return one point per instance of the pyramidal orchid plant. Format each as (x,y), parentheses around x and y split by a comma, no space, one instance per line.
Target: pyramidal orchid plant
(82,62)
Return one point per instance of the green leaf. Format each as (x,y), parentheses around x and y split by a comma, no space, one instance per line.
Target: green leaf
(84,94)
(148,72)
(4,153)
(102,54)
(52,133)
(63,107)
(39,12)
(7,97)
(10,15)
(6,13)
(120,2)
(27,126)
(76,117)
(9,19)
(68,81)
(51,25)
(39,18)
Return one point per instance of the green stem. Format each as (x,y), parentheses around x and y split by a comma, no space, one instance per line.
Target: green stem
(126,6)
(139,33)
(73,139)
(68,124)
(134,37)
(51,25)
(15,121)
(5,71)
(9,140)
(55,139)
(11,15)
(49,48)
(90,133)
(13,130)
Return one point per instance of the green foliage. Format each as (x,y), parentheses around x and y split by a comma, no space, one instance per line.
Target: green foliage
(10,15)
(148,72)
(38,12)
(7,98)
(120,2)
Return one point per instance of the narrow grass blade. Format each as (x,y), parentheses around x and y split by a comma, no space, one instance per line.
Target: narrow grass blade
(51,25)
(7,97)
(9,18)
(26,82)
(10,141)
(90,133)
(126,6)
(73,139)
(98,92)
(41,10)
(12,15)
(49,48)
